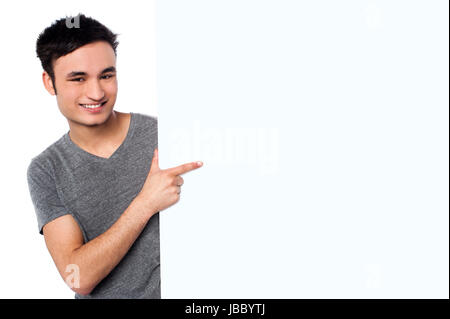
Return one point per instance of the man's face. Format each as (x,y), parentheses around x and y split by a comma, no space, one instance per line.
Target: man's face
(86,76)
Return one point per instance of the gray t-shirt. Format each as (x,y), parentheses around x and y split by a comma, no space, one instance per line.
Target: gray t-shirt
(65,179)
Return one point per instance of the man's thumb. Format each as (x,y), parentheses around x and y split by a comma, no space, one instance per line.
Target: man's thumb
(155,161)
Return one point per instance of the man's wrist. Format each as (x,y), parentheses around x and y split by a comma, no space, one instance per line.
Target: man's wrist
(144,206)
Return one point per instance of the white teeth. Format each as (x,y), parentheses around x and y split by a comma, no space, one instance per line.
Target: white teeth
(89,106)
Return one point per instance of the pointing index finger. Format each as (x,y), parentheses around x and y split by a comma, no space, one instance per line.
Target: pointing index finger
(184,168)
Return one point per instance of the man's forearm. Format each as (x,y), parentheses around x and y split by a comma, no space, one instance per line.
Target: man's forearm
(98,257)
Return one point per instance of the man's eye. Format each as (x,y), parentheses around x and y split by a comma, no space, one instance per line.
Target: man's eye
(107,76)
(77,80)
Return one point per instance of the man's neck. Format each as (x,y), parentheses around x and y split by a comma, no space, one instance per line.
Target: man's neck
(99,138)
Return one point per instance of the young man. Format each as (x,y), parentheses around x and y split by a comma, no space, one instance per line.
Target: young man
(98,190)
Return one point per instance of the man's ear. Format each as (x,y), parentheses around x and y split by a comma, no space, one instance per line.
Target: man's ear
(48,83)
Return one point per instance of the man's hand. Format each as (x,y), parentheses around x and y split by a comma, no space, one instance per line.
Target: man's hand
(163,186)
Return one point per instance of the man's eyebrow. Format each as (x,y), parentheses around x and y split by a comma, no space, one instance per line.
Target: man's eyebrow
(75,73)
(109,69)
(80,73)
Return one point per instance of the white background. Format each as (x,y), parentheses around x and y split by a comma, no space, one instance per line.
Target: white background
(322,125)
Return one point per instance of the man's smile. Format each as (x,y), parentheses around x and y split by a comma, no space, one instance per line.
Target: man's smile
(93,106)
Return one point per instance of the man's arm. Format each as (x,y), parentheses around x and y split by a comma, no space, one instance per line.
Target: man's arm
(98,257)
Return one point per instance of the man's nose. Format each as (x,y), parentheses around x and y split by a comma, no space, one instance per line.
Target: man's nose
(94,90)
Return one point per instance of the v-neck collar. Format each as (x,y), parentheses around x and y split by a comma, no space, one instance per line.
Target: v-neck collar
(116,152)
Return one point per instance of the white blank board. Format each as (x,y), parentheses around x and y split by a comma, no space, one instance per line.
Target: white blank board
(323,128)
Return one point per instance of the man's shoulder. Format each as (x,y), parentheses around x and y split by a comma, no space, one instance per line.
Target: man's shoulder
(147,124)
(146,117)
(40,164)
(44,159)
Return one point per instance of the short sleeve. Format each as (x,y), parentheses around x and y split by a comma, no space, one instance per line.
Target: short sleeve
(44,195)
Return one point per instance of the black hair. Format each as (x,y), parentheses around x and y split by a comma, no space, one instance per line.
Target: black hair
(68,34)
